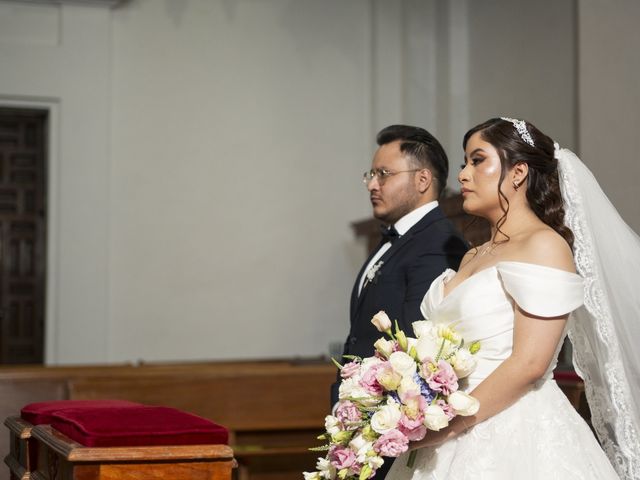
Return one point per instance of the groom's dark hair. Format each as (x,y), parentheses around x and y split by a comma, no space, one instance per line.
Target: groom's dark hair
(423,149)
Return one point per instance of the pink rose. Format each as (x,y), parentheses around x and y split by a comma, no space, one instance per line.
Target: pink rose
(411,423)
(392,444)
(448,409)
(348,413)
(443,380)
(342,457)
(369,381)
(348,370)
(413,428)
(413,405)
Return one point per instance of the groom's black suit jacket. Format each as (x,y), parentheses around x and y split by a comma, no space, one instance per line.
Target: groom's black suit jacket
(414,260)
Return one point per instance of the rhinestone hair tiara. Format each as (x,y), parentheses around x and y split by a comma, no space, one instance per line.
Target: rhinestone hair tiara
(521,127)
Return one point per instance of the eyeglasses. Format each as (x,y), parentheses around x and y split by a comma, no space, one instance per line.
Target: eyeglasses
(383,174)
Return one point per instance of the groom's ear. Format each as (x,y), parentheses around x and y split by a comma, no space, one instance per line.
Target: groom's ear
(519,173)
(424,180)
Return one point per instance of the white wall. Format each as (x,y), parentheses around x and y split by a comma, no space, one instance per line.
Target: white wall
(522,64)
(206,154)
(240,134)
(610,99)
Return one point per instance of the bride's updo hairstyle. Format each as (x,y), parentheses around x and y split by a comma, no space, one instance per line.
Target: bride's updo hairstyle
(543,188)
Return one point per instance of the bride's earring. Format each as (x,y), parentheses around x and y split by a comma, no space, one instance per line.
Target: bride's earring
(516,185)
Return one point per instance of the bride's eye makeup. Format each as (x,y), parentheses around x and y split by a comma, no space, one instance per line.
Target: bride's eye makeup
(474,162)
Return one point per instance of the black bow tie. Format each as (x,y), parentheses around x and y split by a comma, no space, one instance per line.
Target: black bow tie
(389,234)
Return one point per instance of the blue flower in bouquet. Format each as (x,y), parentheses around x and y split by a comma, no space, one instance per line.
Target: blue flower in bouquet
(425,390)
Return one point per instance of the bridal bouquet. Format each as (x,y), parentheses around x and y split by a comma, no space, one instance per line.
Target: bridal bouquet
(408,387)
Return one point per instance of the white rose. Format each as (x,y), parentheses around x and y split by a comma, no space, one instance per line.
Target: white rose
(426,347)
(386,418)
(403,364)
(463,403)
(332,424)
(408,386)
(347,386)
(312,476)
(422,327)
(463,363)
(384,346)
(358,442)
(381,321)
(435,418)
(361,447)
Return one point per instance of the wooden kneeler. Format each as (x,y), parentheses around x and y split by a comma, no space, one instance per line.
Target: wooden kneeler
(60,458)
(128,441)
(22,456)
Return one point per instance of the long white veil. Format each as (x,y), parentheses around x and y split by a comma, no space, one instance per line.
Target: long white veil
(605,331)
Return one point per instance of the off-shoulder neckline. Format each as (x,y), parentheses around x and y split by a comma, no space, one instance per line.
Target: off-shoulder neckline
(443,297)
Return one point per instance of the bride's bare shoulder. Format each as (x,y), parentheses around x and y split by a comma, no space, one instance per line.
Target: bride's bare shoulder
(546,247)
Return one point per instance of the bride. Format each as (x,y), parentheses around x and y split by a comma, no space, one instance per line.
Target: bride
(515,294)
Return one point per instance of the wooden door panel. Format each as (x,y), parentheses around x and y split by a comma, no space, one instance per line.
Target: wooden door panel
(22,234)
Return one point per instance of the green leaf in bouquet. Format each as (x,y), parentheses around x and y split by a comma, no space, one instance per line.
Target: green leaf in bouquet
(352,357)
(402,340)
(440,351)
(322,448)
(413,353)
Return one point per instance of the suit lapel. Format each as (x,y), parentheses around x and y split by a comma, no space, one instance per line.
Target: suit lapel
(431,217)
(355,298)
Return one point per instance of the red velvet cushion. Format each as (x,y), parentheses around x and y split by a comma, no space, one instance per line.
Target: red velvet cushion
(42,412)
(137,426)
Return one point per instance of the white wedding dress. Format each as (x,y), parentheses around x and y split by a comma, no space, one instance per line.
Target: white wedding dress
(541,436)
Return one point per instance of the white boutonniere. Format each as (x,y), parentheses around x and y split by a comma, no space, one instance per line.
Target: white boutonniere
(374,272)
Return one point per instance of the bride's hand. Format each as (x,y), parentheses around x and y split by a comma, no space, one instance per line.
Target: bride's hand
(433,439)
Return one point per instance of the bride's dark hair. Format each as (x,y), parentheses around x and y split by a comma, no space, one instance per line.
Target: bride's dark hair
(543,186)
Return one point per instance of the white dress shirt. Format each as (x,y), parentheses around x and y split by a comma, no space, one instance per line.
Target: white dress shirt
(402,226)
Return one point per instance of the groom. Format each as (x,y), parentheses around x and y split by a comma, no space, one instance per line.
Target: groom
(407,176)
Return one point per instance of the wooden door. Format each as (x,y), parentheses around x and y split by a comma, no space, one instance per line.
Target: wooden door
(22,234)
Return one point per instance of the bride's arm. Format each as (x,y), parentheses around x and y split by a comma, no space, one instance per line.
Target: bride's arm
(535,340)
